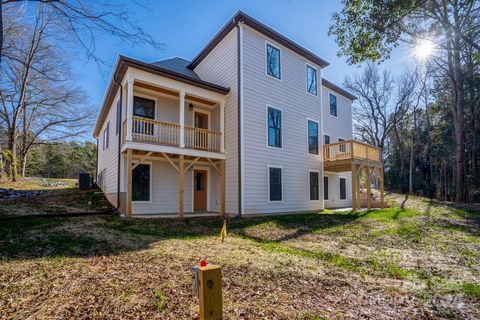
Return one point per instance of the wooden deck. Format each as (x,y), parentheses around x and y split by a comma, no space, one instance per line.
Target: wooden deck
(362,160)
(340,156)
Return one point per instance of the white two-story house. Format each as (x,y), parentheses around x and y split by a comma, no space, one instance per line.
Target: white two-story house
(249,126)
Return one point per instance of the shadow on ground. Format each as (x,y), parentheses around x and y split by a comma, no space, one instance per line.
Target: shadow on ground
(36,237)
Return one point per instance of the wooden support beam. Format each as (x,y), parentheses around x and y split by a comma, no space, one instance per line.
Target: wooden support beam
(191,164)
(142,159)
(359,185)
(369,191)
(171,162)
(222,187)
(213,165)
(181,181)
(380,176)
(129,184)
(354,188)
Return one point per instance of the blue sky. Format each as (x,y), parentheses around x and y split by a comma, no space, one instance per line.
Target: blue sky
(186,26)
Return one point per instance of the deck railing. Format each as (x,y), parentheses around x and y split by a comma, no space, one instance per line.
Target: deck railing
(351,150)
(168,133)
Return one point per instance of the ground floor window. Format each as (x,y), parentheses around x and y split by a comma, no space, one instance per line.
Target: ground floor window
(275,183)
(314,191)
(325,188)
(141,183)
(343,189)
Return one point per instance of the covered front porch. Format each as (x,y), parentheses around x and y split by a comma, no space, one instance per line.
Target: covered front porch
(169,184)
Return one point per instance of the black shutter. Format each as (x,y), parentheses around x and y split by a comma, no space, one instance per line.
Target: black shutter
(343,189)
(325,188)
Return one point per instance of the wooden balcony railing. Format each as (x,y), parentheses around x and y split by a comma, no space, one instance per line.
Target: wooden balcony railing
(351,150)
(168,133)
(197,138)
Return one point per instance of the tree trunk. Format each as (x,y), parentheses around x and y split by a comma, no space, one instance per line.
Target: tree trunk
(412,155)
(12,146)
(23,163)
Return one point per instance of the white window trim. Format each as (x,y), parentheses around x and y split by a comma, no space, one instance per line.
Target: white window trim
(318,138)
(207,112)
(281,128)
(340,190)
(149,97)
(330,138)
(208,186)
(329,113)
(266,60)
(151,177)
(268,183)
(307,65)
(320,196)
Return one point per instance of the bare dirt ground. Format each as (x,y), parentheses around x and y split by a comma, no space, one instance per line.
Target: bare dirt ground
(416,262)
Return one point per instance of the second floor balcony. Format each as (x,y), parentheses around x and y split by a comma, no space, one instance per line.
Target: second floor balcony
(341,155)
(167,115)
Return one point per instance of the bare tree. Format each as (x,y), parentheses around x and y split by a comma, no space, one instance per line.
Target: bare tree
(382,104)
(37,96)
(81,22)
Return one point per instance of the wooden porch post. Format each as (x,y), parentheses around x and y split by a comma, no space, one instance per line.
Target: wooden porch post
(354,187)
(222,127)
(369,196)
(359,185)
(181,181)
(129,184)
(222,187)
(380,175)
(129,109)
(182,119)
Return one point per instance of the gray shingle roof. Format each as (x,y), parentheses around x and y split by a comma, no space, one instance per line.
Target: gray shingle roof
(178,65)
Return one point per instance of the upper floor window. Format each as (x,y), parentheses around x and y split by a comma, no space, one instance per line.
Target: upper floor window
(274,127)
(312,137)
(311,80)
(106,136)
(143,107)
(273,61)
(326,139)
(275,183)
(333,105)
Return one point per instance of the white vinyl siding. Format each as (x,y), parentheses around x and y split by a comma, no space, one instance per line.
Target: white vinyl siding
(289,96)
(220,67)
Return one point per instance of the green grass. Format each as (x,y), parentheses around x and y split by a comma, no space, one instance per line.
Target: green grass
(471,289)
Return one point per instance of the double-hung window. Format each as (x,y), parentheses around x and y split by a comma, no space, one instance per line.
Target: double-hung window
(119,117)
(143,108)
(333,104)
(312,137)
(314,190)
(274,123)
(343,189)
(141,182)
(275,183)
(326,139)
(311,80)
(273,61)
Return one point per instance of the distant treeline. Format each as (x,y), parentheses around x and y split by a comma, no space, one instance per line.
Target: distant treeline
(62,160)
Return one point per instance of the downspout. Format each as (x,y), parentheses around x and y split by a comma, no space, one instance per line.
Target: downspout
(239,115)
(119,125)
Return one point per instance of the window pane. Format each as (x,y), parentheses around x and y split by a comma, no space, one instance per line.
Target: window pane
(141,183)
(314,192)
(312,137)
(311,80)
(326,139)
(343,189)
(325,188)
(275,180)
(274,128)
(273,61)
(143,108)
(333,105)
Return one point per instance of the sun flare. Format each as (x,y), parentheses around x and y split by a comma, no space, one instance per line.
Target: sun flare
(423,49)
